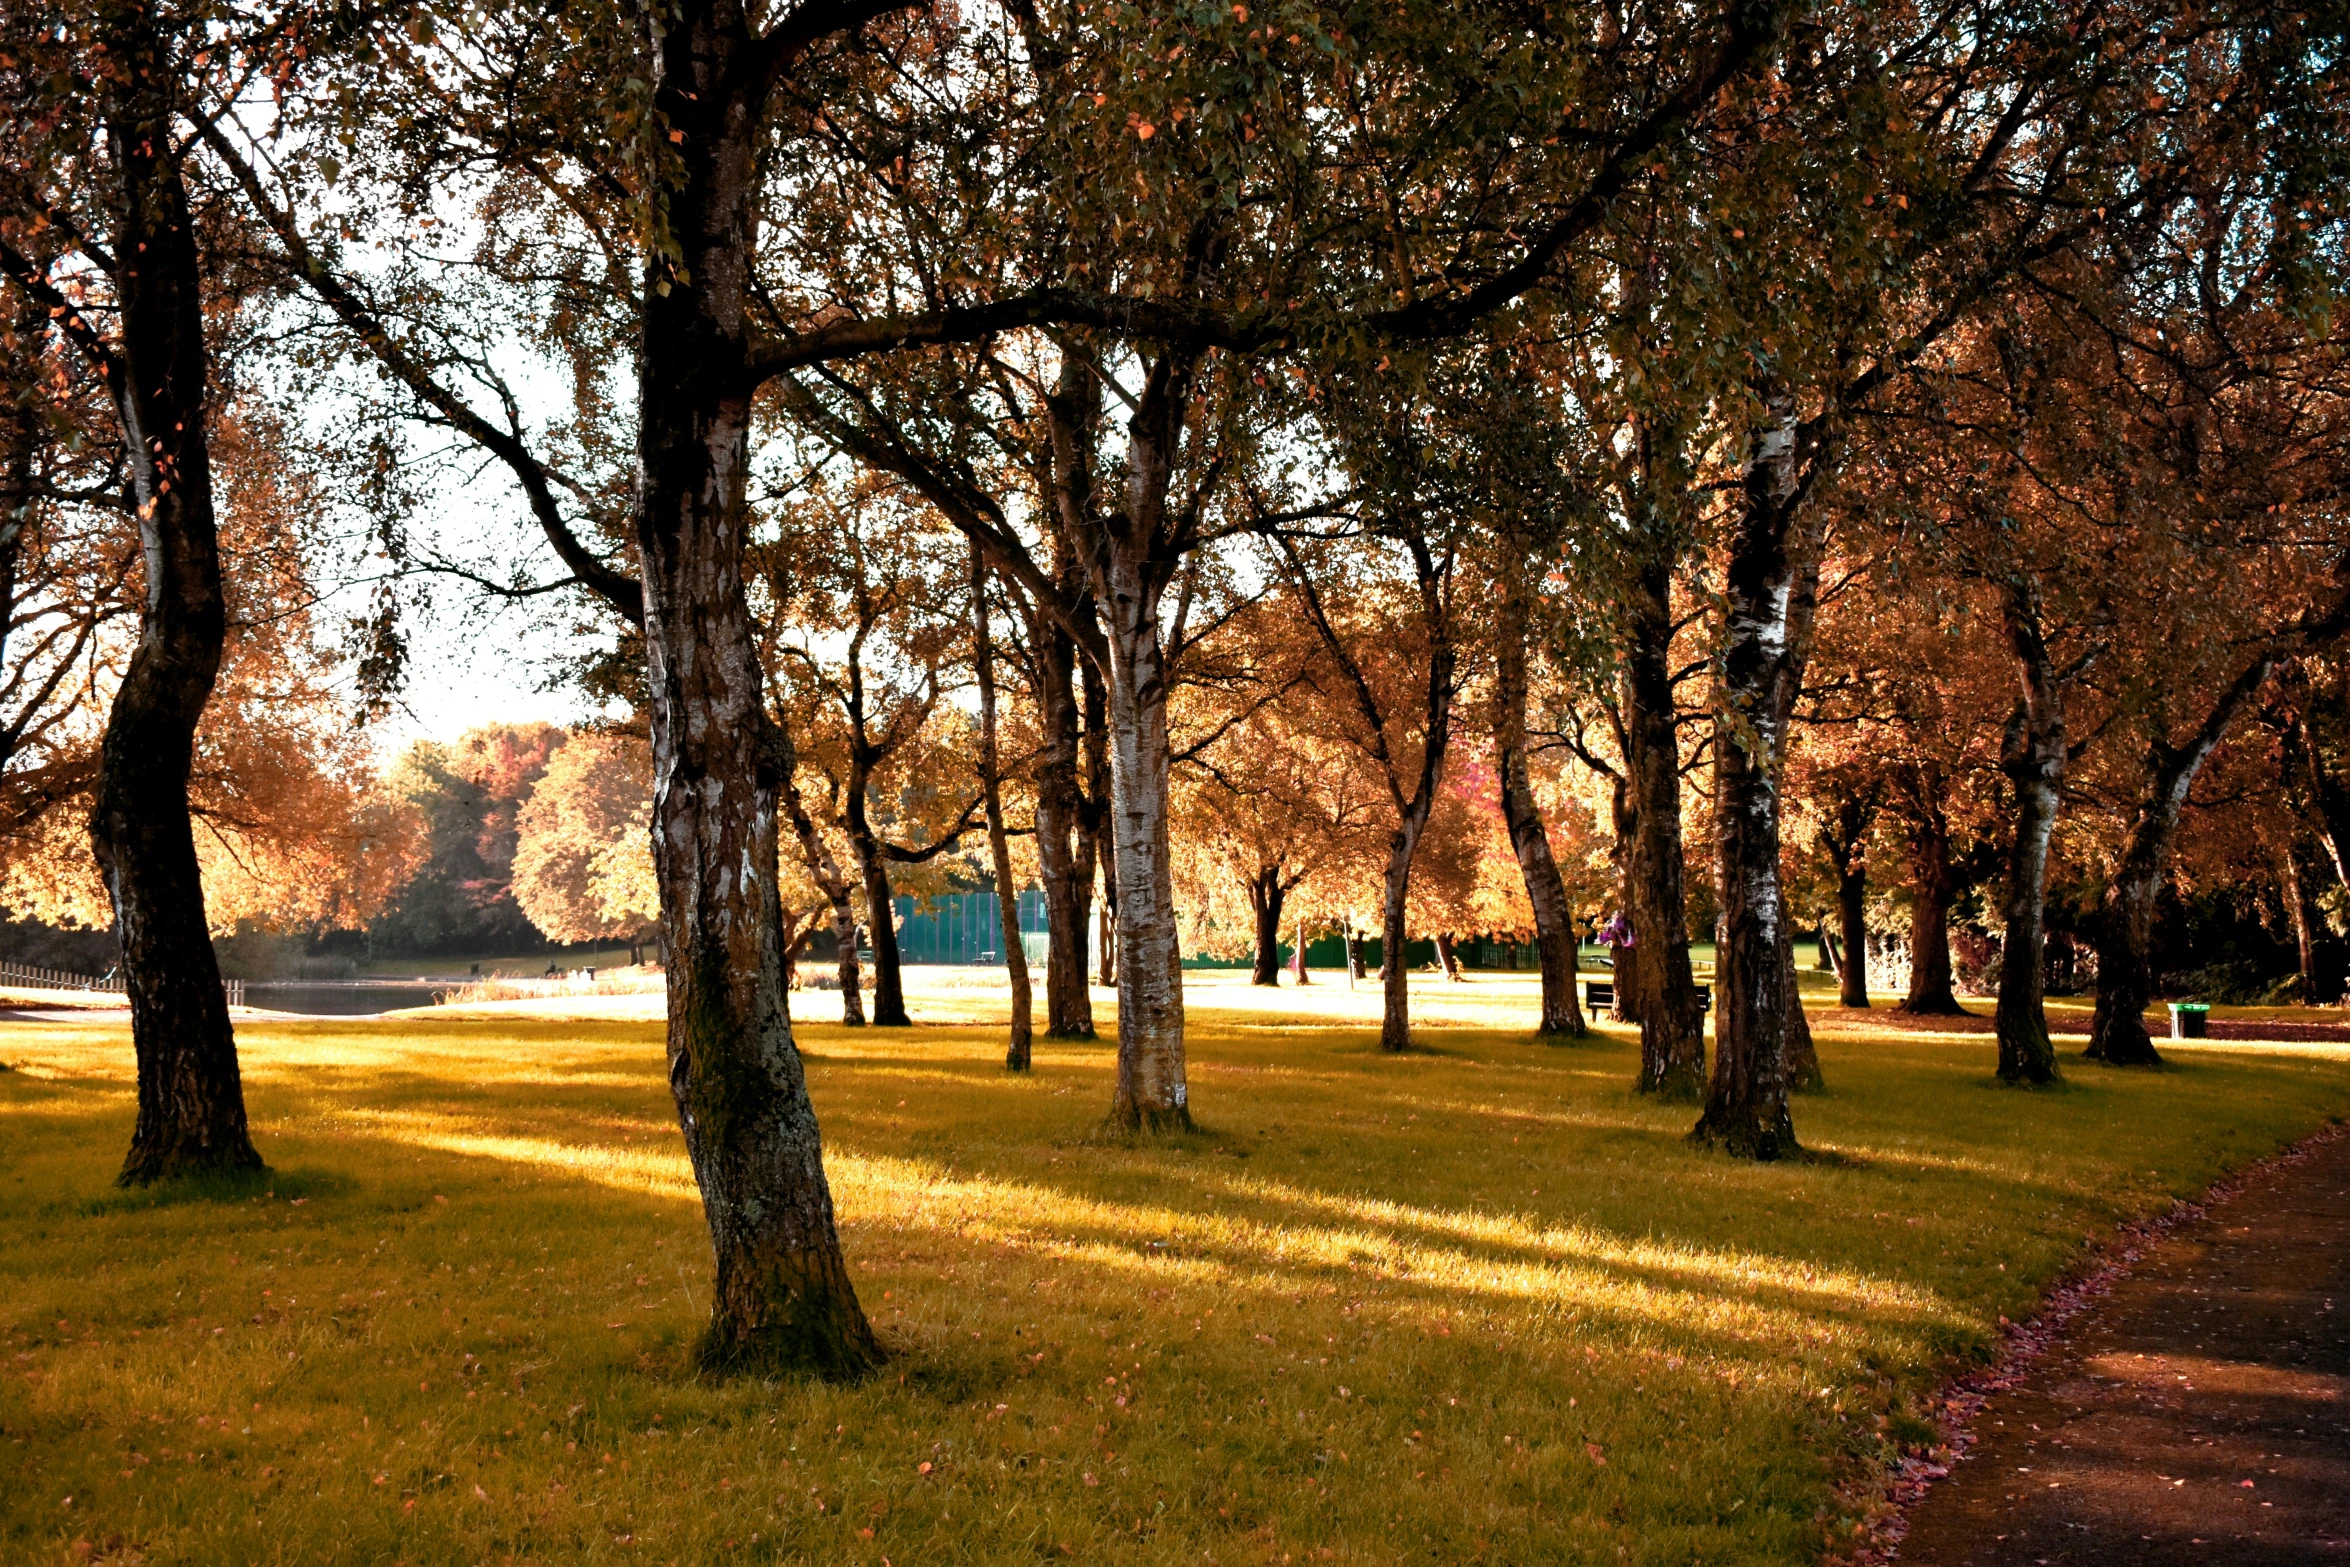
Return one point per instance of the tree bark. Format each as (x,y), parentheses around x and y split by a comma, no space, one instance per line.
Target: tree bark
(825,871)
(1630,974)
(20,448)
(1152,1094)
(1546,890)
(1065,841)
(1448,961)
(1803,1057)
(782,1297)
(1018,1045)
(2034,760)
(2124,934)
(191,1100)
(1094,850)
(1672,1029)
(1266,895)
(2301,910)
(1844,842)
(2123,937)
(1852,963)
(1395,1015)
(881,914)
(1768,583)
(1130,577)
(1933,888)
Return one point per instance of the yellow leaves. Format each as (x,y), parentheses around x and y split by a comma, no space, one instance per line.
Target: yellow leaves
(583,864)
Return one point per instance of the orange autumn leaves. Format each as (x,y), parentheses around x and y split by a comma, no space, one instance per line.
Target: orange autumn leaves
(292,826)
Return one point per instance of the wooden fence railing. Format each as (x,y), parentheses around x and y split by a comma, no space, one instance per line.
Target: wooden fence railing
(37,978)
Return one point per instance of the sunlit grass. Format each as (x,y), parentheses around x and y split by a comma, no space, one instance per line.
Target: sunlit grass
(1476,1303)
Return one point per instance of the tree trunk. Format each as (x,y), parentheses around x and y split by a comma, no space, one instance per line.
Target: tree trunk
(1852,919)
(1095,852)
(2301,908)
(1265,898)
(782,1297)
(1768,585)
(1672,1030)
(844,938)
(2124,939)
(1413,805)
(1546,890)
(1130,579)
(1803,1057)
(881,918)
(191,1113)
(2034,759)
(1105,931)
(1143,956)
(825,871)
(1353,942)
(1064,841)
(1625,965)
(1933,888)
(999,848)
(1297,962)
(2124,934)
(1395,1018)
(1447,961)
(21,423)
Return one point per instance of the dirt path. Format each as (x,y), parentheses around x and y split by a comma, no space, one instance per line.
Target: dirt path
(2199,1414)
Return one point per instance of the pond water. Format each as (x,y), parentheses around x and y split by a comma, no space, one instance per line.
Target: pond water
(330,998)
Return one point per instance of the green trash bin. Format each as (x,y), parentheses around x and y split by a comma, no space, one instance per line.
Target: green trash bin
(2187,1019)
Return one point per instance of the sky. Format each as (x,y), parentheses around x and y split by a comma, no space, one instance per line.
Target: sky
(463,677)
(474,661)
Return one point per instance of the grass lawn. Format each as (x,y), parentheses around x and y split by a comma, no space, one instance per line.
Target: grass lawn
(1477,1303)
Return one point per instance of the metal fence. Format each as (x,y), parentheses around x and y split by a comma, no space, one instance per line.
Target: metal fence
(967,927)
(34,977)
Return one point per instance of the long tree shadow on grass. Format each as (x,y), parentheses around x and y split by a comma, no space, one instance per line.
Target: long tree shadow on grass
(294,1184)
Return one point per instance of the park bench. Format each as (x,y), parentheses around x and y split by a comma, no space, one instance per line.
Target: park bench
(1599,995)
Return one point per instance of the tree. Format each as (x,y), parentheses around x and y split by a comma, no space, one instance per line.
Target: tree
(1631,646)
(889,589)
(823,868)
(1405,728)
(95,151)
(1016,1051)
(1193,295)
(1528,508)
(470,797)
(68,553)
(582,853)
(1270,803)
(1843,834)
